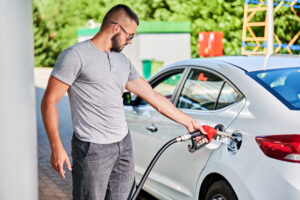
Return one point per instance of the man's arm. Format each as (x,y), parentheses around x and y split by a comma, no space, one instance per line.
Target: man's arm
(54,92)
(144,90)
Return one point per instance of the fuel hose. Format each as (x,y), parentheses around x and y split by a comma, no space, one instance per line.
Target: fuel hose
(158,154)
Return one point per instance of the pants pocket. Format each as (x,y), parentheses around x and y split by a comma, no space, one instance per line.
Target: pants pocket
(80,148)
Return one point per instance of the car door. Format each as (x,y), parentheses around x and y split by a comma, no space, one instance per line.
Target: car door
(140,123)
(209,98)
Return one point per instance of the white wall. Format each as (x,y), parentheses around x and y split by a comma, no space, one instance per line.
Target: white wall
(169,48)
(18,142)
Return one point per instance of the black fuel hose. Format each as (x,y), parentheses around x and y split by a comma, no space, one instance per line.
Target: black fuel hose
(148,170)
(158,154)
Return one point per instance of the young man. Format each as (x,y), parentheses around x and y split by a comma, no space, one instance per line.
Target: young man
(95,74)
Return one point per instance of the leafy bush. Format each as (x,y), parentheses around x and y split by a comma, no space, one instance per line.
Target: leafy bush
(56,21)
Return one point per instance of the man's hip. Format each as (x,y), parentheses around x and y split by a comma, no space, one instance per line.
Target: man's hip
(102,171)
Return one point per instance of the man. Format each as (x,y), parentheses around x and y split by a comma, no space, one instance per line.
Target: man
(95,74)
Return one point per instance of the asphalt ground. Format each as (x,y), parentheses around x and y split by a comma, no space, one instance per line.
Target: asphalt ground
(51,185)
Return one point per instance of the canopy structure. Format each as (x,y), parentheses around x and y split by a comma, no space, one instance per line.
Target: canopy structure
(252,42)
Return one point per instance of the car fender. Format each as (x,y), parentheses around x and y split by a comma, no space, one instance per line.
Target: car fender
(214,165)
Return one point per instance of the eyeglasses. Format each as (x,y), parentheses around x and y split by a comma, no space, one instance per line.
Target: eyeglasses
(131,36)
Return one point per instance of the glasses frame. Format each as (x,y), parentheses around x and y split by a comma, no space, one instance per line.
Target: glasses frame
(131,36)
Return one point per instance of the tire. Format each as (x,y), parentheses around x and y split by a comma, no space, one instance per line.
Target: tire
(220,190)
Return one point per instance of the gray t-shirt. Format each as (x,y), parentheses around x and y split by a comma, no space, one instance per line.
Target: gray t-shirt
(97,80)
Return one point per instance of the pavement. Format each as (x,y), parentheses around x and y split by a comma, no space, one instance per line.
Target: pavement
(51,185)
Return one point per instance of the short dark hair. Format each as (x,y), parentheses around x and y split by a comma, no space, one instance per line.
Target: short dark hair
(117,9)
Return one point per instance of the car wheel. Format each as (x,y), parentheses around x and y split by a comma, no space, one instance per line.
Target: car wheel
(220,190)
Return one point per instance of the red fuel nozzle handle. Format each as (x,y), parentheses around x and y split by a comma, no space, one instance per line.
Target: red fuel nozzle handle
(210,132)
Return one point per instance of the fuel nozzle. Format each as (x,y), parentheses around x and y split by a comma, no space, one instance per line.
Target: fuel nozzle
(216,133)
(211,132)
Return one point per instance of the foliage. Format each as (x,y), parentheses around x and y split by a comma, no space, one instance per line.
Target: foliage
(45,46)
(56,21)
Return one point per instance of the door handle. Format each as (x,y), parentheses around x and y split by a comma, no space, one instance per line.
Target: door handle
(152,128)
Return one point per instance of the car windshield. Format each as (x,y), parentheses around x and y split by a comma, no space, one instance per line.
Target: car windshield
(284,84)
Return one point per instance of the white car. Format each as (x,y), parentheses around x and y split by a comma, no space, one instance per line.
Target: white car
(261,105)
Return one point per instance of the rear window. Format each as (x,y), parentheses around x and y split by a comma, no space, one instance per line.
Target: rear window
(284,84)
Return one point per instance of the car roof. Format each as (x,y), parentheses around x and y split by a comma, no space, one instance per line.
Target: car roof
(256,63)
(253,63)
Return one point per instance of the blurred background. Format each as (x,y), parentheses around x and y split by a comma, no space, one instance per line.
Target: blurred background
(57,23)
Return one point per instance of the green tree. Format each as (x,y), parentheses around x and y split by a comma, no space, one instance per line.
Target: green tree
(56,21)
(45,45)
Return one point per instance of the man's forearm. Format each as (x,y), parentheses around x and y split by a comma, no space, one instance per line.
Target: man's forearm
(161,103)
(165,107)
(50,119)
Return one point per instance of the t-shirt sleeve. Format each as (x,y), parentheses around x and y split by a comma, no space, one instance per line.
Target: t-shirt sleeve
(67,66)
(133,74)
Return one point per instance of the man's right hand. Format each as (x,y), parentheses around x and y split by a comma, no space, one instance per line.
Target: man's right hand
(54,92)
(58,158)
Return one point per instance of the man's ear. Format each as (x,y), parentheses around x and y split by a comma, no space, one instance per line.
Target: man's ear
(115,28)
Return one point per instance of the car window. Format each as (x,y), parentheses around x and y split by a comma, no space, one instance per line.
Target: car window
(200,91)
(227,96)
(282,83)
(166,85)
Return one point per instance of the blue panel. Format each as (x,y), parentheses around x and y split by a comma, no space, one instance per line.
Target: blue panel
(292,47)
(275,4)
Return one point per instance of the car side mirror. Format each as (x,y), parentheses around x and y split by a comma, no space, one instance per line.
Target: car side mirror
(127,99)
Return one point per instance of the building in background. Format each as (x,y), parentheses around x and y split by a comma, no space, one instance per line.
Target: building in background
(155,45)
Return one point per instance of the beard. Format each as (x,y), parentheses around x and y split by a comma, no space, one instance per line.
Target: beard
(115,43)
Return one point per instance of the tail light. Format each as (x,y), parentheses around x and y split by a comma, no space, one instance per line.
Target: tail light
(281,147)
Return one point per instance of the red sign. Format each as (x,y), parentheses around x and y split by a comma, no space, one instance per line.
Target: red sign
(210,44)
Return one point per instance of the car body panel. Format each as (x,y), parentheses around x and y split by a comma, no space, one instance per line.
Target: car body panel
(183,184)
(255,166)
(179,174)
(138,119)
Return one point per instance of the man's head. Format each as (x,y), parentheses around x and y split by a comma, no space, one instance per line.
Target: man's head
(121,22)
